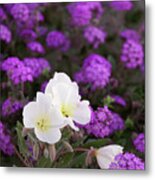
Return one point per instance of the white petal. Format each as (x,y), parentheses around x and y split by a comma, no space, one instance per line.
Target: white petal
(70,122)
(57,79)
(82,114)
(105,155)
(66,94)
(50,137)
(30,113)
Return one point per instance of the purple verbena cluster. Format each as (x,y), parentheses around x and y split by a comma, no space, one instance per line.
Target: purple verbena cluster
(130,34)
(6,145)
(94,36)
(127,161)
(83,12)
(36,47)
(121,5)
(5,33)
(57,40)
(11,106)
(103,123)
(96,71)
(132,54)
(139,142)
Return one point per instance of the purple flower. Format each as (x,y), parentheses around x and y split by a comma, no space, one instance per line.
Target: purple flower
(58,40)
(36,47)
(121,5)
(103,123)
(37,65)
(28,35)
(83,12)
(119,100)
(139,142)
(132,54)
(5,34)
(2,15)
(10,107)
(20,12)
(130,34)
(17,71)
(96,71)
(94,36)
(41,30)
(127,161)
(6,145)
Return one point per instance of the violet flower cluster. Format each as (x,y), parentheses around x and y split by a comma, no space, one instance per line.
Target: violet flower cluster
(6,145)
(139,142)
(11,106)
(127,161)
(132,54)
(58,40)
(5,34)
(128,34)
(118,100)
(121,5)
(103,123)
(36,47)
(82,13)
(94,36)
(96,71)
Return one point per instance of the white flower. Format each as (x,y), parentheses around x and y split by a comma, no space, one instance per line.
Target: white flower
(66,98)
(105,155)
(44,118)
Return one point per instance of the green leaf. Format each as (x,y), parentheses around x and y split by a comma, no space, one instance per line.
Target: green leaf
(97,143)
(129,123)
(108,101)
(79,160)
(21,141)
(44,162)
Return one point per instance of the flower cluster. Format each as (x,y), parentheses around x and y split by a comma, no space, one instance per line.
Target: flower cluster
(130,34)
(83,12)
(127,161)
(95,36)
(139,142)
(11,106)
(5,141)
(104,123)
(96,70)
(132,54)
(121,5)
(58,40)
(5,33)
(36,47)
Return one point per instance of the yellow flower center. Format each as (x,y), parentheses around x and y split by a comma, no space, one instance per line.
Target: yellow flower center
(67,110)
(43,124)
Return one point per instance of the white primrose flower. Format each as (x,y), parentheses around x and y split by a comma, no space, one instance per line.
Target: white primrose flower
(106,155)
(44,118)
(66,98)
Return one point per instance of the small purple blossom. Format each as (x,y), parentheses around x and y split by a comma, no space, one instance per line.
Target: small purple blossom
(139,142)
(121,5)
(103,123)
(96,71)
(41,30)
(37,65)
(20,12)
(6,145)
(94,36)
(5,34)
(16,70)
(43,86)
(83,12)
(127,161)
(2,15)
(130,34)
(28,35)
(119,100)
(57,40)
(10,107)
(132,54)
(36,47)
